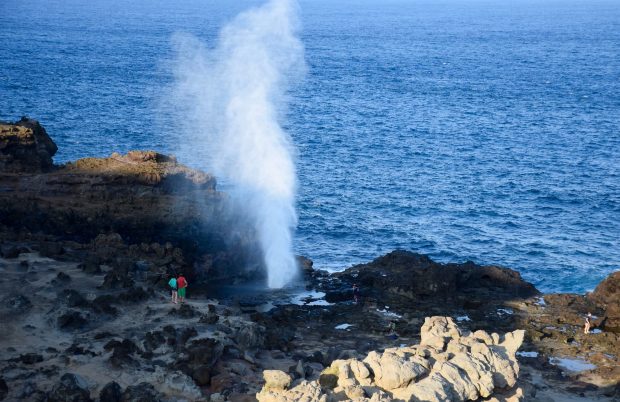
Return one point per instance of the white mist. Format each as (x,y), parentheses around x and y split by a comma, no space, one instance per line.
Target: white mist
(232,98)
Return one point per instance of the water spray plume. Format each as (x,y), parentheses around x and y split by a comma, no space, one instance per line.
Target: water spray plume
(234,97)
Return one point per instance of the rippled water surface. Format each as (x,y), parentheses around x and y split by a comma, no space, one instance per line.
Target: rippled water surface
(482,130)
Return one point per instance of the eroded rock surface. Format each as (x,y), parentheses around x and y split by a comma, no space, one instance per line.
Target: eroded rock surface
(448,365)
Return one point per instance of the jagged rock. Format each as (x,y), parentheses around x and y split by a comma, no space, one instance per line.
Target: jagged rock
(111,392)
(607,296)
(249,336)
(276,379)
(30,358)
(72,298)
(448,365)
(122,352)
(25,147)
(71,320)
(143,392)
(16,304)
(72,388)
(416,276)
(4,389)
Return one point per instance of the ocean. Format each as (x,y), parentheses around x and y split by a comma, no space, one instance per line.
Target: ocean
(463,129)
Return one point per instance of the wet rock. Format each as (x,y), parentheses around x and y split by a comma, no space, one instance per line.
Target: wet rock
(71,320)
(143,392)
(71,387)
(111,392)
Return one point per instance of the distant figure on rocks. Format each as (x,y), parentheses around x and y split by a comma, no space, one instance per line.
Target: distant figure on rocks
(356,293)
(586,327)
(181,285)
(390,331)
(173,286)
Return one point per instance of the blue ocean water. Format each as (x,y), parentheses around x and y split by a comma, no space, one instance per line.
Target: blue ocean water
(465,129)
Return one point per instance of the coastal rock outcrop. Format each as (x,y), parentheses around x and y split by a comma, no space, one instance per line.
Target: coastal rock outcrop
(448,364)
(607,297)
(143,198)
(415,276)
(25,147)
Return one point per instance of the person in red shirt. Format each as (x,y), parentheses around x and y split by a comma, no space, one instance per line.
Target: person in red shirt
(181,286)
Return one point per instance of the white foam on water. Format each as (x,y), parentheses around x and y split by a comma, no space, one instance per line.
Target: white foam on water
(343,326)
(574,365)
(527,354)
(463,318)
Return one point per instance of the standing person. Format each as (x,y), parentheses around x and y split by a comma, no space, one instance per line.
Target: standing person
(586,327)
(356,293)
(181,285)
(173,286)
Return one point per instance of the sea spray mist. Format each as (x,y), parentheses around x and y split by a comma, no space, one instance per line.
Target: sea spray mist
(232,98)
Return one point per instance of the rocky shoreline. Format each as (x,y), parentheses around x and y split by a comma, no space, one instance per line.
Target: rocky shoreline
(90,244)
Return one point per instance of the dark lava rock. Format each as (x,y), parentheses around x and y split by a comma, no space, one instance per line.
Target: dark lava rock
(79,350)
(72,388)
(72,298)
(4,389)
(143,392)
(92,265)
(152,340)
(184,311)
(114,280)
(186,334)
(122,352)
(250,336)
(135,294)
(10,252)
(63,278)
(72,320)
(202,375)
(17,304)
(111,392)
(31,358)
(51,249)
(103,305)
(403,274)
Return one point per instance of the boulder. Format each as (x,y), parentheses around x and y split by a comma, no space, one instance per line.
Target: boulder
(276,379)
(142,392)
(71,388)
(4,389)
(111,392)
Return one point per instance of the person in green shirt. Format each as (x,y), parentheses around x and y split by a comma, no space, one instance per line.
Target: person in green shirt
(173,286)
